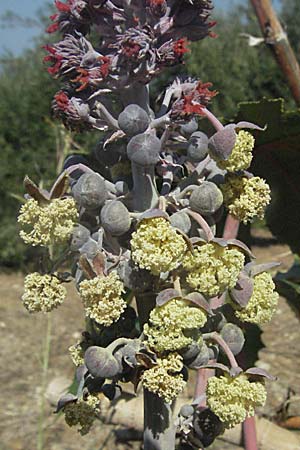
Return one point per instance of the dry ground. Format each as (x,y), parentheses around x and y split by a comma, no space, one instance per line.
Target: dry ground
(22,337)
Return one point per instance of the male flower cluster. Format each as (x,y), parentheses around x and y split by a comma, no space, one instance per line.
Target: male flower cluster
(263,302)
(246,198)
(233,399)
(101,297)
(42,292)
(48,223)
(213,268)
(171,325)
(157,246)
(241,155)
(82,413)
(164,379)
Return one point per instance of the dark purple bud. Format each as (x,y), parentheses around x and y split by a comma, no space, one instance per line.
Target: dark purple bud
(115,218)
(234,337)
(133,120)
(143,149)
(112,391)
(206,199)
(197,147)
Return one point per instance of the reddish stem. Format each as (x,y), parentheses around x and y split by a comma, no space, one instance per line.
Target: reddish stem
(202,222)
(249,434)
(213,120)
(202,377)
(231,227)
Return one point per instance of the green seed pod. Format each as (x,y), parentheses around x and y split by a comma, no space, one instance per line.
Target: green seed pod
(90,191)
(115,218)
(206,199)
(234,337)
(143,149)
(101,363)
(197,147)
(190,352)
(181,221)
(133,120)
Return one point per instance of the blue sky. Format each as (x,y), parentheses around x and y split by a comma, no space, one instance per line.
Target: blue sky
(19,38)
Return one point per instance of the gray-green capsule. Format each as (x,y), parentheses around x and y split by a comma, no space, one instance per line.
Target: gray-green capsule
(115,218)
(133,120)
(206,199)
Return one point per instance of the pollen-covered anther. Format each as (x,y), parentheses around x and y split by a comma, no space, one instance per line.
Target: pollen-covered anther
(246,198)
(46,224)
(234,399)
(164,379)
(101,297)
(42,293)
(171,326)
(157,246)
(241,155)
(263,302)
(212,268)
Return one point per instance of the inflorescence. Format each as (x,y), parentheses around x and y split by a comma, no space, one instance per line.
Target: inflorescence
(159,289)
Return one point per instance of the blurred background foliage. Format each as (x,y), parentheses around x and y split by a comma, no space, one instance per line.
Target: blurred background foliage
(32,142)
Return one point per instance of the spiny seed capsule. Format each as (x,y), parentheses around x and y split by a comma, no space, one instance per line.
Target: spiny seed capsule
(197,147)
(115,218)
(181,221)
(90,191)
(143,149)
(133,120)
(234,337)
(206,199)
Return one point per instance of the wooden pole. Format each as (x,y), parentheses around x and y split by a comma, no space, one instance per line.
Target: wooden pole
(278,41)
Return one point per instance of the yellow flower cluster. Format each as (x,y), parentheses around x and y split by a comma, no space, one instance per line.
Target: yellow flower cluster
(263,301)
(234,399)
(170,322)
(76,354)
(157,246)
(241,155)
(42,292)
(245,197)
(212,268)
(83,413)
(48,223)
(102,299)
(164,379)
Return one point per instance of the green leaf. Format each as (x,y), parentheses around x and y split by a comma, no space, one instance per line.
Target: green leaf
(277,160)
